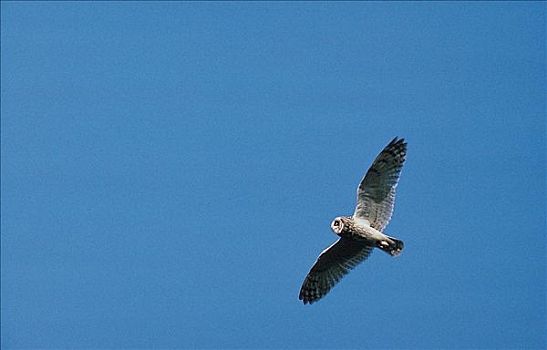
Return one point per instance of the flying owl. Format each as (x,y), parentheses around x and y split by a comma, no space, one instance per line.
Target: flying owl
(362,232)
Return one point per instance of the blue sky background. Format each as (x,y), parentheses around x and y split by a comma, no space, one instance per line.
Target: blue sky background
(170,171)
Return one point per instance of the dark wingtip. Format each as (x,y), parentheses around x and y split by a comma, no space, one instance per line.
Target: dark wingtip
(304,300)
(398,141)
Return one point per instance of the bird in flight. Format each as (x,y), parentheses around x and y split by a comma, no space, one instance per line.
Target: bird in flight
(362,232)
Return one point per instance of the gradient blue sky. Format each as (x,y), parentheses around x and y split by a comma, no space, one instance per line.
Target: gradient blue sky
(170,171)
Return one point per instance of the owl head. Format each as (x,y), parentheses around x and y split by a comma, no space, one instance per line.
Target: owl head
(337,225)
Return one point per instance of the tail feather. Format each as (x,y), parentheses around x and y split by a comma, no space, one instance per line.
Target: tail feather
(392,246)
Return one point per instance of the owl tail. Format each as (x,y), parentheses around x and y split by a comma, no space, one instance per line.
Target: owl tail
(392,246)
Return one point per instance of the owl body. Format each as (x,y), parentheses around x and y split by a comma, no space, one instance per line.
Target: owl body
(358,230)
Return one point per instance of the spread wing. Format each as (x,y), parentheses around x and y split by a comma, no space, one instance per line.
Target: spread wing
(333,263)
(376,192)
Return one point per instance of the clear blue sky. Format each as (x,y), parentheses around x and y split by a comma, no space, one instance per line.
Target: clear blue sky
(170,171)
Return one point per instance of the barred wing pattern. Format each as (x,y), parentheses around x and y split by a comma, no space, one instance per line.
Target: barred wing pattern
(376,192)
(333,263)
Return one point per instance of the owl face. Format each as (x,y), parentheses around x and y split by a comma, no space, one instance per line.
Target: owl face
(337,225)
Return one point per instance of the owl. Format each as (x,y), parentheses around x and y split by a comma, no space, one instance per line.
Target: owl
(363,231)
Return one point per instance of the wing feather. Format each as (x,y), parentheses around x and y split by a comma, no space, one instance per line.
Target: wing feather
(333,264)
(376,192)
